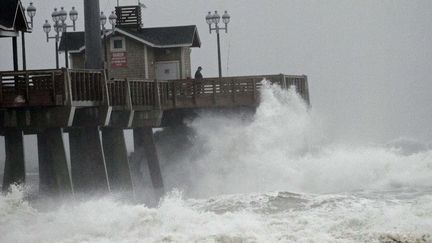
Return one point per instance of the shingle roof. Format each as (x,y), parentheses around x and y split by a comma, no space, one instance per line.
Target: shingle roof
(75,40)
(158,37)
(12,16)
(168,36)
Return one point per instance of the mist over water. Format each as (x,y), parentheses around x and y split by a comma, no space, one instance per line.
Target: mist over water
(284,148)
(274,176)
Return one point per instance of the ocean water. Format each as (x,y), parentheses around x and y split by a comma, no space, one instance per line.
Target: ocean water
(270,177)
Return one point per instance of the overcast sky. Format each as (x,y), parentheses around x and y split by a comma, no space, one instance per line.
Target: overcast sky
(369,63)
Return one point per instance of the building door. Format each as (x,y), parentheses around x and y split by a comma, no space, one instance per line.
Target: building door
(168,70)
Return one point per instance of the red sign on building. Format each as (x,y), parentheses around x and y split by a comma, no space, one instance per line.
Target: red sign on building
(119,59)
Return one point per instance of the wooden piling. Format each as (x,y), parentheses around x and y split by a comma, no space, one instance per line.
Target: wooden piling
(14,169)
(144,146)
(116,159)
(54,178)
(87,161)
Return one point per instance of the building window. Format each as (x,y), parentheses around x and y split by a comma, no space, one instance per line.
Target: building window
(118,44)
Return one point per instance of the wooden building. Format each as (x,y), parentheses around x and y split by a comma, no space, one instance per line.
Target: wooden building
(162,53)
(12,18)
(13,21)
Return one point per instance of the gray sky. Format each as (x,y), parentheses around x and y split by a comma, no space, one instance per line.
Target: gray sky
(368,62)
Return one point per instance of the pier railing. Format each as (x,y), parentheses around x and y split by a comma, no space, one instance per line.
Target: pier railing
(53,87)
(36,88)
(228,91)
(87,88)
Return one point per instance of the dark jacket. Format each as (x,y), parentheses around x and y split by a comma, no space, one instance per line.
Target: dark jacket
(198,74)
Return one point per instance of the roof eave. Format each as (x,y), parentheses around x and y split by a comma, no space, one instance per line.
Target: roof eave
(130,35)
(152,44)
(197,37)
(8,33)
(21,9)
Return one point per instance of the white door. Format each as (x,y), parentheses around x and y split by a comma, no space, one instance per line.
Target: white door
(168,70)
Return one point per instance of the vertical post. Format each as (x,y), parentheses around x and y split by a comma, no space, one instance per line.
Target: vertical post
(70,88)
(57,57)
(194,89)
(116,158)
(53,88)
(15,53)
(219,55)
(157,95)
(214,91)
(174,94)
(105,53)
(87,161)
(24,63)
(233,91)
(14,169)
(27,84)
(53,170)
(66,47)
(254,91)
(1,88)
(144,145)
(93,58)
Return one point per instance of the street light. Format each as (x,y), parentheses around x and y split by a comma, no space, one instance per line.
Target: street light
(113,20)
(63,16)
(59,18)
(103,19)
(31,12)
(215,19)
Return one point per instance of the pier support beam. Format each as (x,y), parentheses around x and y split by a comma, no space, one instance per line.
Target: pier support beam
(14,170)
(87,161)
(116,159)
(144,146)
(54,176)
(93,55)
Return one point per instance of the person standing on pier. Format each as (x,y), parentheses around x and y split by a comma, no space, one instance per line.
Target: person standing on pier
(198,80)
(198,74)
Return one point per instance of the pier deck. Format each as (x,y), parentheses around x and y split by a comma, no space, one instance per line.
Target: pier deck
(94,111)
(53,98)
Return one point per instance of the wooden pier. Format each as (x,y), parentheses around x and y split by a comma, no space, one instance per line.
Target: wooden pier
(85,104)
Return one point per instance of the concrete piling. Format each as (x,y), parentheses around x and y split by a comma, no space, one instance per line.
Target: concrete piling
(14,170)
(116,159)
(144,146)
(88,167)
(54,178)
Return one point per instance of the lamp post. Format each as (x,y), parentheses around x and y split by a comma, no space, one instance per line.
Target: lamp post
(73,14)
(59,19)
(31,12)
(103,19)
(215,19)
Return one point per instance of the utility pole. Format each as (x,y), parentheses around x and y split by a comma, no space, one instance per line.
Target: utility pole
(93,55)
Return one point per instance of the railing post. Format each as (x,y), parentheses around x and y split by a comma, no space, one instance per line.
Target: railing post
(68,86)
(27,88)
(254,91)
(214,91)
(104,85)
(157,95)
(194,88)
(233,90)
(174,94)
(78,85)
(53,88)
(1,88)
(128,95)
(306,91)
